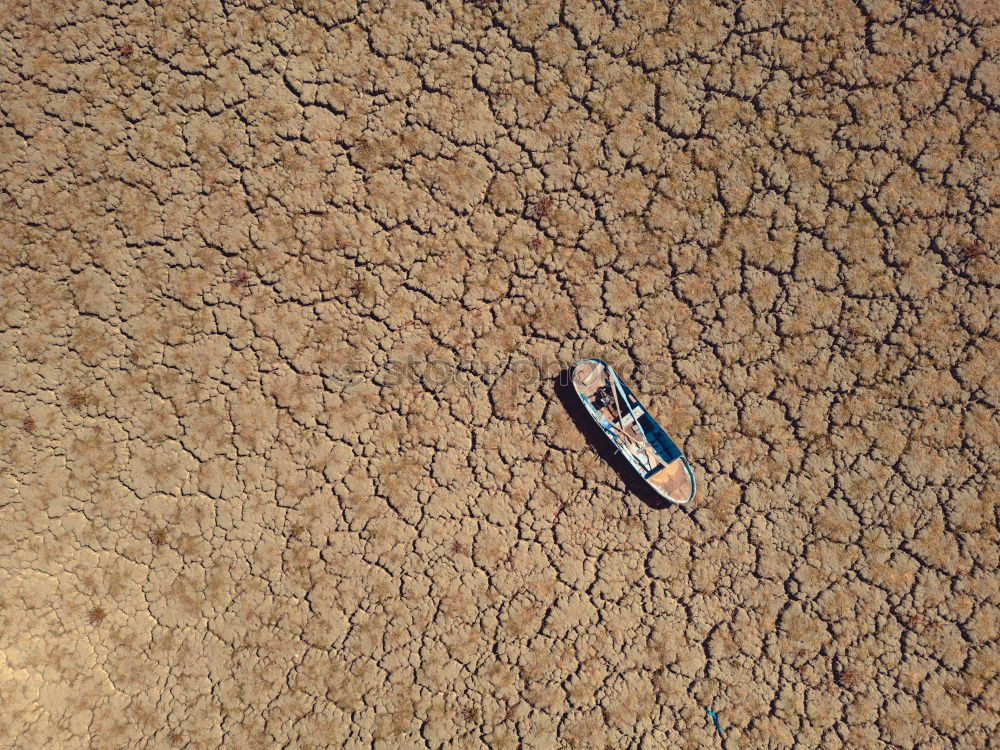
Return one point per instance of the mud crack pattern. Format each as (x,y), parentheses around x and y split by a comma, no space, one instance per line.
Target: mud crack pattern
(230,518)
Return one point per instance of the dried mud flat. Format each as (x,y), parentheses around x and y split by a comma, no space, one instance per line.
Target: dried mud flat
(228,519)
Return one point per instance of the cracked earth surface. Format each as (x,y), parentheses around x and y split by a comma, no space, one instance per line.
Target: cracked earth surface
(230,517)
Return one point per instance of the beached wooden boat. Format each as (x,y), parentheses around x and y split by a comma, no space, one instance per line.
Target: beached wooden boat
(633,431)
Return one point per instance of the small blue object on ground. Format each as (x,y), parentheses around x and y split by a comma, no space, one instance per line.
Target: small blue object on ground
(715,719)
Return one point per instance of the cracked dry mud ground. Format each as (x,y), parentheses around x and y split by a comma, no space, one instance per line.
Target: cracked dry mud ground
(780,224)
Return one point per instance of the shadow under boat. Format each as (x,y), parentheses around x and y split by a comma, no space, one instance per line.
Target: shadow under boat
(599,442)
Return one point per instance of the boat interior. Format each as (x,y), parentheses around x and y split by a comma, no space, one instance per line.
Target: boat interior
(635,430)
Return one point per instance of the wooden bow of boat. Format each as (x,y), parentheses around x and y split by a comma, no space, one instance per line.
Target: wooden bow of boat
(633,430)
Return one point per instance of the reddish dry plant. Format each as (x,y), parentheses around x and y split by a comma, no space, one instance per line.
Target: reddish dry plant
(357,287)
(10,200)
(848,678)
(76,399)
(241,281)
(126,50)
(542,208)
(28,425)
(96,615)
(971,251)
(536,243)
(175,738)
(458,548)
(470,715)
(158,537)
